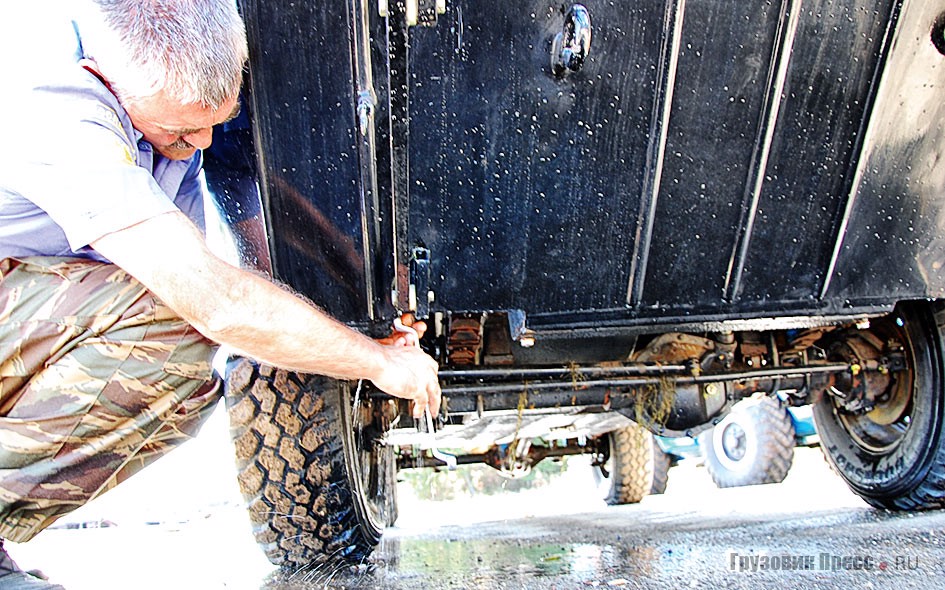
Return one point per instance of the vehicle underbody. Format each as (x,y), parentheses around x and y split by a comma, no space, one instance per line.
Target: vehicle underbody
(675,384)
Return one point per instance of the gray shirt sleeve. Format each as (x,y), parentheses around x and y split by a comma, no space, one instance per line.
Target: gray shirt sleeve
(84,175)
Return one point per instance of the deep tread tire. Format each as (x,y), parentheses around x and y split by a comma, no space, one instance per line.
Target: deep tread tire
(661,464)
(290,440)
(765,449)
(908,474)
(630,467)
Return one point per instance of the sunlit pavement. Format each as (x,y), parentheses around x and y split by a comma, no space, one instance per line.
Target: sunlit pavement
(180,525)
(177,524)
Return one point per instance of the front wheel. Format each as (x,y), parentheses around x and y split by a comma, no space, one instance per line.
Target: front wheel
(893,453)
(318,483)
(626,476)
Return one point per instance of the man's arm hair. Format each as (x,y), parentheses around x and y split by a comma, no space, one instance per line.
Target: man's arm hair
(231,306)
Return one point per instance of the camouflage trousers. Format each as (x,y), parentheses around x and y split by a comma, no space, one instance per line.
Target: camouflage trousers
(98,378)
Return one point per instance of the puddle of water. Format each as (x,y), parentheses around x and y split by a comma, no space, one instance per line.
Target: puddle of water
(490,564)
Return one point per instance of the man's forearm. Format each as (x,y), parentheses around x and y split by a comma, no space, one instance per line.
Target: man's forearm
(237,308)
(279,328)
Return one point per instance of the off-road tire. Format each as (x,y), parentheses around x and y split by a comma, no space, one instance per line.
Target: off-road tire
(908,472)
(293,446)
(766,448)
(630,465)
(661,464)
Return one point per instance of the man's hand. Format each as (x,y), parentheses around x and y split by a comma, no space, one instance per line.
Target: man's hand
(411,374)
(406,337)
(414,385)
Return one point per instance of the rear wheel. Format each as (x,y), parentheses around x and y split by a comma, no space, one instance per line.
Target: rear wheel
(893,454)
(318,484)
(753,445)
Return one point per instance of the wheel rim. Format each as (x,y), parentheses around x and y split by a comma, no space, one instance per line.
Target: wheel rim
(732,446)
(367,464)
(883,428)
(604,473)
(873,436)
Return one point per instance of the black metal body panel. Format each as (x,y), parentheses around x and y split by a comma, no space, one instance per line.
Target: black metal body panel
(534,199)
(819,129)
(301,82)
(712,160)
(892,240)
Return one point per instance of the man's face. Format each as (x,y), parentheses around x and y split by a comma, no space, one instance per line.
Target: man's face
(177,130)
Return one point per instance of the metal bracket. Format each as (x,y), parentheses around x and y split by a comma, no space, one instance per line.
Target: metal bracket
(420,296)
(518,331)
(417,12)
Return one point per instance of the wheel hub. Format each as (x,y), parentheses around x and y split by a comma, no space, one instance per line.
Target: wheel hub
(734,443)
(887,419)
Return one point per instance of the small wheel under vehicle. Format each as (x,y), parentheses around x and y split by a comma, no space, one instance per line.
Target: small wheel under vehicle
(627,474)
(753,445)
(661,464)
(318,484)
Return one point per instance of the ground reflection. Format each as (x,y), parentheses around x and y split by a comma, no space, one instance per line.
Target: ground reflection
(484,564)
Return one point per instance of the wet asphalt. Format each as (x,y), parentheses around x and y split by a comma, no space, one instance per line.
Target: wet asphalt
(809,532)
(852,548)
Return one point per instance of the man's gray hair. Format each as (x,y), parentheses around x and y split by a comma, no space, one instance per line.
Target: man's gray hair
(193,50)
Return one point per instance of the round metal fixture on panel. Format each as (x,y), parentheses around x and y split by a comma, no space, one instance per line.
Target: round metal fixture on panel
(938,33)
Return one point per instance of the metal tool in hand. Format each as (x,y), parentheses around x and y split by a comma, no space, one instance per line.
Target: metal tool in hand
(427,419)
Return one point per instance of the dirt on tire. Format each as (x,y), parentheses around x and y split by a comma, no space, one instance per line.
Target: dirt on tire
(291,468)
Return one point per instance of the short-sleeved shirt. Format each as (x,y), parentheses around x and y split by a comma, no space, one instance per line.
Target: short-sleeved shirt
(74,169)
